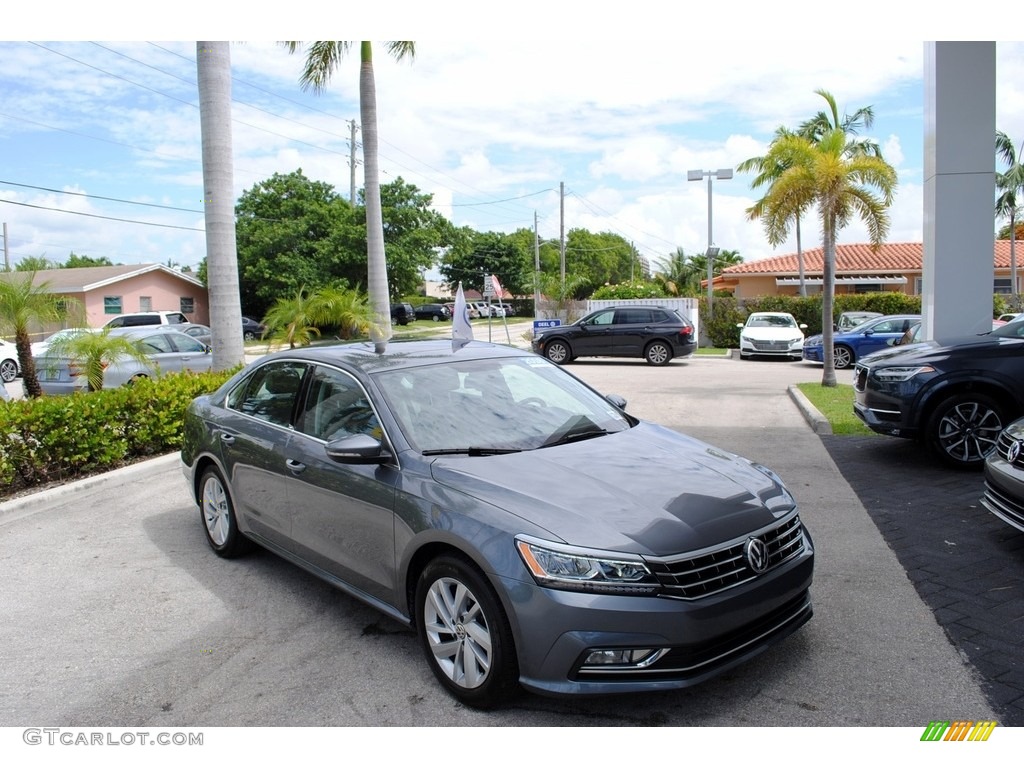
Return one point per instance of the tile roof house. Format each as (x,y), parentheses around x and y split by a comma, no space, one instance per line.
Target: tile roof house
(859,269)
(107,291)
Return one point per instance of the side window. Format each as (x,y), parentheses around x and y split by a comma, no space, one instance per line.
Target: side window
(886,326)
(188,344)
(156,345)
(269,393)
(605,318)
(336,406)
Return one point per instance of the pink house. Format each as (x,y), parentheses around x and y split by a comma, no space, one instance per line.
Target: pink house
(103,292)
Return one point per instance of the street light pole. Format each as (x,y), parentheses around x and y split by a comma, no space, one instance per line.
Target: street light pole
(721,173)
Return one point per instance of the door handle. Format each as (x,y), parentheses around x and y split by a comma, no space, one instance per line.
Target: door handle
(294,466)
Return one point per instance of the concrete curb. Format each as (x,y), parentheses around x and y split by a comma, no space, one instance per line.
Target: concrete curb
(114,478)
(813,416)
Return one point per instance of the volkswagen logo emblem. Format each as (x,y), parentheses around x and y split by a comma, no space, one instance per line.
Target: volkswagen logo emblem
(1014,453)
(756,552)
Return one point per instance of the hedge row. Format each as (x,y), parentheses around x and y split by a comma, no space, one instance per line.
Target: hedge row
(61,438)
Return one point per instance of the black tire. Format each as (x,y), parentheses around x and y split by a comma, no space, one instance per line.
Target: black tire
(8,371)
(558,352)
(658,353)
(963,429)
(217,513)
(843,356)
(459,619)
(249,336)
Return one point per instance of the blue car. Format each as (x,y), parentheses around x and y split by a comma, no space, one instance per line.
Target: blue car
(864,339)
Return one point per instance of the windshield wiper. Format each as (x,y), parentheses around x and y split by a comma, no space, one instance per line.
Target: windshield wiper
(586,433)
(472,451)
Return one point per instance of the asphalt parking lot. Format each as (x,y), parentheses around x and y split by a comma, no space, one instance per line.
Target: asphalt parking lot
(116,613)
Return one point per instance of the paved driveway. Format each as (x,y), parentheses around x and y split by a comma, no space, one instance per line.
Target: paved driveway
(115,612)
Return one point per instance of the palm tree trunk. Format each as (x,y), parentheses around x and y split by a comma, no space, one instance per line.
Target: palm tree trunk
(828,373)
(1013,264)
(800,258)
(213,69)
(377,268)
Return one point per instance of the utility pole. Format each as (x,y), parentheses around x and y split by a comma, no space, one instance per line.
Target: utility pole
(536,266)
(7,253)
(352,163)
(561,236)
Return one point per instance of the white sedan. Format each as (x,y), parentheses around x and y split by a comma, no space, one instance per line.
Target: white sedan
(772,333)
(10,369)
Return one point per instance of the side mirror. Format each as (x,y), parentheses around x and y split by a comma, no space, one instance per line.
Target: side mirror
(803,326)
(617,400)
(739,325)
(357,449)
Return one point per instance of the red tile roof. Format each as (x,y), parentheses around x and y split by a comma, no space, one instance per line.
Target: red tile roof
(860,258)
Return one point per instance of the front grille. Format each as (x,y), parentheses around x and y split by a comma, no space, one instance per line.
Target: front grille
(696,575)
(1003,446)
(1002,506)
(771,346)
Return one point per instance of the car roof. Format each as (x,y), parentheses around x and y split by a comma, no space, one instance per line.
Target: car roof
(398,354)
(140,331)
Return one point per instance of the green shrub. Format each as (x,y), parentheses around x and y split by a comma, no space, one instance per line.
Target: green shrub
(60,438)
(636,289)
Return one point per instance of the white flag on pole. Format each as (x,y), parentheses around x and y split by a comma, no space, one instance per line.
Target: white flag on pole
(462,330)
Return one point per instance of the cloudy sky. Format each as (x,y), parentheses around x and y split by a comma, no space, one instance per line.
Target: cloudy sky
(101,148)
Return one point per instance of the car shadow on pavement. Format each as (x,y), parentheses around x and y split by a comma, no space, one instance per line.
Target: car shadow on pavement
(966,564)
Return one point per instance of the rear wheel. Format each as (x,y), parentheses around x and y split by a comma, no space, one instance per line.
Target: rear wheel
(218,514)
(657,353)
(558,352)
(465,634)
(964,428)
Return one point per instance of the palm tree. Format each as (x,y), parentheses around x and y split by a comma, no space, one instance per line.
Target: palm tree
(93,353)
(23,303)
(1010,182)
(296,320)
(841,183)
(213,69)
(322,59)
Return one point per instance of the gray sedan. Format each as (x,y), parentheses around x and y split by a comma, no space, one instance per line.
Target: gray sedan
(163,350)
(533,532)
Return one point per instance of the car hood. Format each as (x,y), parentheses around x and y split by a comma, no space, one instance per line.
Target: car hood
(923,351)
(772,334)
(647,490)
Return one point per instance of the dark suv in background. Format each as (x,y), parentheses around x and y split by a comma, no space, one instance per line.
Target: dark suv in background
(403,314)
(955,395)
(656,334)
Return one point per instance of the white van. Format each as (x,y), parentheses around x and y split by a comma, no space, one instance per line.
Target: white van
(134,319)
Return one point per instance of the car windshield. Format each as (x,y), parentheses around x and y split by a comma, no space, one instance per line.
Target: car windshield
(771,321)
(479,407)
(1012,330)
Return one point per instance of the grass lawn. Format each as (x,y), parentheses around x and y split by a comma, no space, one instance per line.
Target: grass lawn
(836,405)
(712,351)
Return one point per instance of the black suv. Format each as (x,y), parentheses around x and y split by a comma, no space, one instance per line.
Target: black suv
(955,395)
(403,314)
(656,334)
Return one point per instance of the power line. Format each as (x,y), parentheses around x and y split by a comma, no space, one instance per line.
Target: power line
(97,216)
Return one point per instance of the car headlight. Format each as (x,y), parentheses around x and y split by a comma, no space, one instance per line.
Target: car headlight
(901,373)
(563,567)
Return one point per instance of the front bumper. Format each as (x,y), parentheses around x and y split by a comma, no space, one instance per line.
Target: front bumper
(697,639)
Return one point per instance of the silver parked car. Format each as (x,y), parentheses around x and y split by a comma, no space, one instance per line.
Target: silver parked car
(531,531)
(1004,477)
(165,350)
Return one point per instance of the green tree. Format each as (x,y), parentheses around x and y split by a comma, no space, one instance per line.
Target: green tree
(94,352)
(1009,183)
(295,320)
(34,264)
(322,58)
(602,258)
(841,183)
(75,261)
(22,304)
(213,70)
(476,254)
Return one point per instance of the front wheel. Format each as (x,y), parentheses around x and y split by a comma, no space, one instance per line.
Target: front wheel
(657,353)
(465,634)
(842,357)
(218,515)
(964,429)
(8,371)
(558,352)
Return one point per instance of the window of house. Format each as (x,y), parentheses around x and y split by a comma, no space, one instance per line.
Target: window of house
(145,303)
(1001,285)
(868,288)
(918,285)
(188,305)
(112,305)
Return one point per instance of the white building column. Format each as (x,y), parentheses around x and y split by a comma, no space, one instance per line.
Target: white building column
(959,187)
